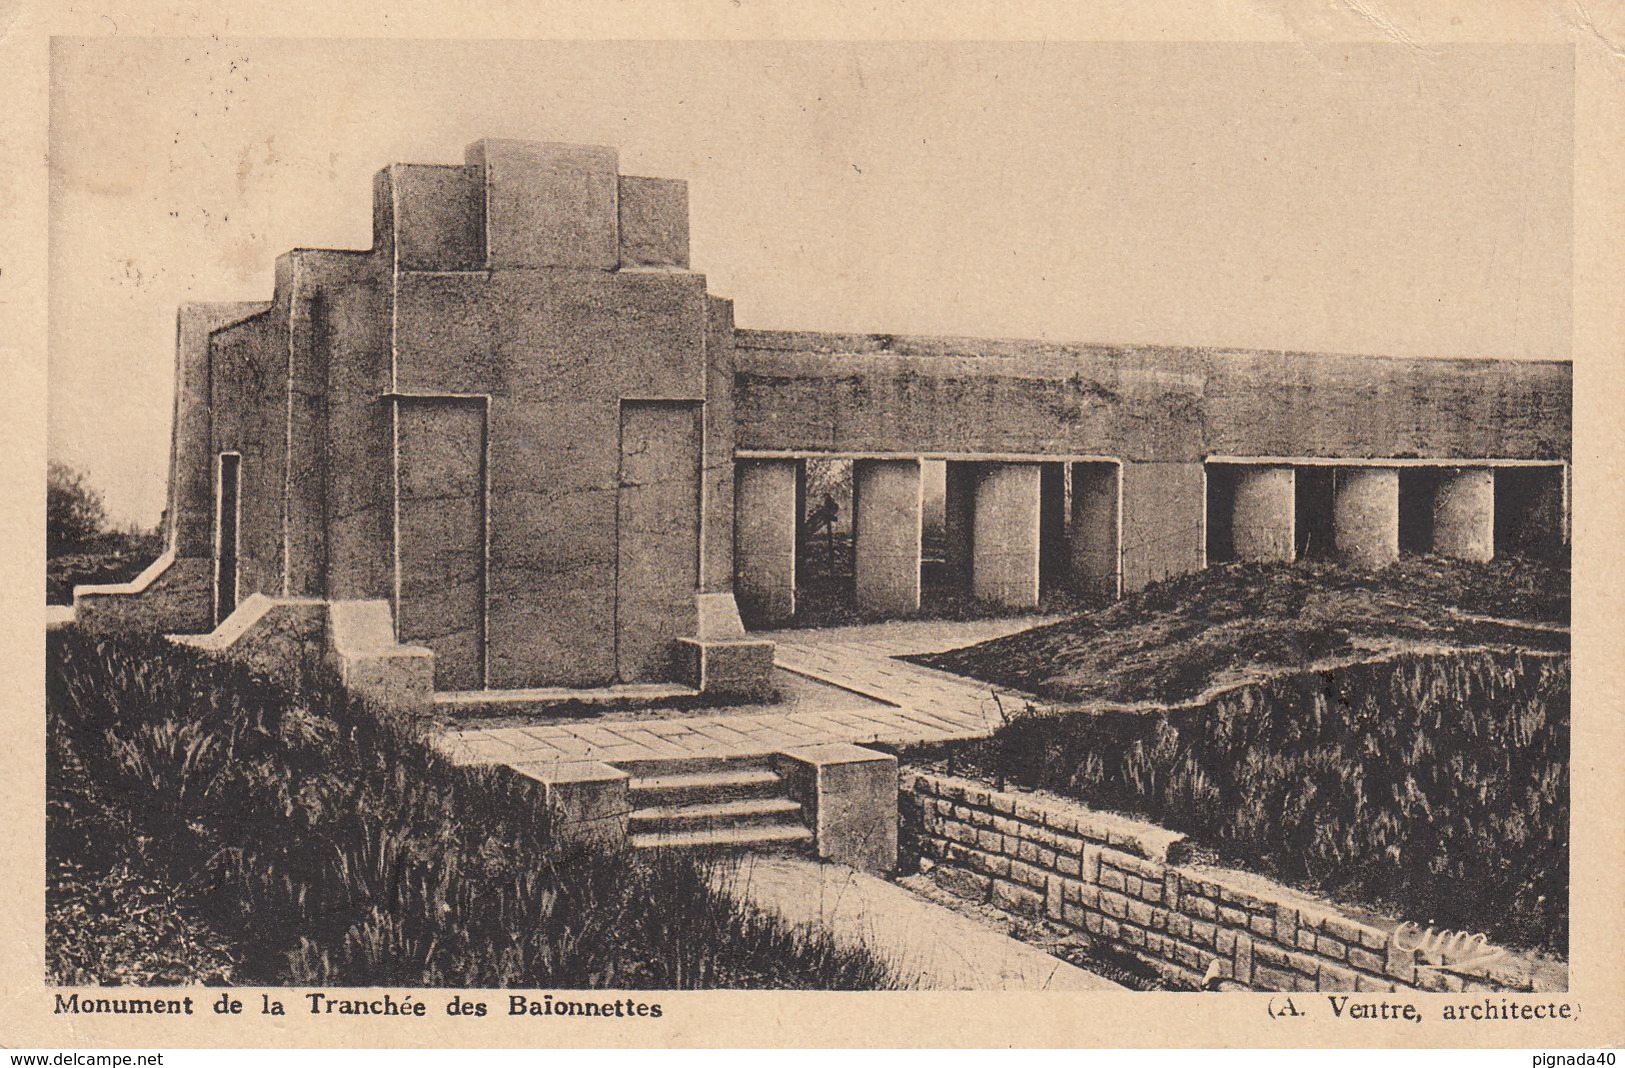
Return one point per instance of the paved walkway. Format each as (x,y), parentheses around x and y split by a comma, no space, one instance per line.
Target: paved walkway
(927,946)
(893,702)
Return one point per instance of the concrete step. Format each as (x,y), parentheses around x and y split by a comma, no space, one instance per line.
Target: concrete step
(703,786)
(561,702)
(755,812)
(665,767)
(775,835)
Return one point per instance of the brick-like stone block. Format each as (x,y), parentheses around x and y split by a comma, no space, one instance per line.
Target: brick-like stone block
(1021,900)
(1028,875)
(1242,958)
(970,885)
(1054,897)
(1113,905)
(850,796)
(1334,978)
(1366,960)
(1400,964)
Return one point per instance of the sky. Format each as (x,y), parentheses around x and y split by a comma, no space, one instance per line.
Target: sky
(1370,199)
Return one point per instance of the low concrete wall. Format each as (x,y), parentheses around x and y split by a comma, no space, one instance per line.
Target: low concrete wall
(291,639)
(1131,885)
(172,595)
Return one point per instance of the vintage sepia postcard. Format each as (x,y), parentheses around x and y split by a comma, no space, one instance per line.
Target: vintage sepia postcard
(733,525)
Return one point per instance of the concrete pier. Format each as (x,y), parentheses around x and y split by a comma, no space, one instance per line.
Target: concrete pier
(1365,515)
(1464,513)
(886,534)
(1092,538)
(1261,513)
(765,521)
(1005,535)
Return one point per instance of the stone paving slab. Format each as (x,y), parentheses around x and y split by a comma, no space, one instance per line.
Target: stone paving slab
(906,704)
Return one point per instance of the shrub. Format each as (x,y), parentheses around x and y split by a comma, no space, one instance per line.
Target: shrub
(74,514)
(321,842)
(1435,786)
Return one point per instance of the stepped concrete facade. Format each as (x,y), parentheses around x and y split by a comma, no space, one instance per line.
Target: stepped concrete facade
(521,428)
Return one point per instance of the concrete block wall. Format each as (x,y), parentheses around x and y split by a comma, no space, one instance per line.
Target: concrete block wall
(1131,886)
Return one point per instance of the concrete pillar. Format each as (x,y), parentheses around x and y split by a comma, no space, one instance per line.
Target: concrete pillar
(1261,516)
(959,513)
(886,535)
(1005,535)
(1365,515)
(1092,537)
(765,539)
(1464,513)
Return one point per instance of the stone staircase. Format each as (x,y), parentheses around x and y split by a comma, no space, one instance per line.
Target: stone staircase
(712,803)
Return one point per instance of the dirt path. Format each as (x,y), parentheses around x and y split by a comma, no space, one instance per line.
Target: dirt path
(930,947)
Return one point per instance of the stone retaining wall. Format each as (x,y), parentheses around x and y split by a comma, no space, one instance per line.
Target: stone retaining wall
(1134,887)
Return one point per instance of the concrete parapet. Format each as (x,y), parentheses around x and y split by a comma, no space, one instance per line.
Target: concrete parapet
(850,796)
(886,518)
(1365,515)
(589,801)
(549,205)
(1464,513)
(653,222)
(765,523)
(1005,535)
(1261,513)
(172,596)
